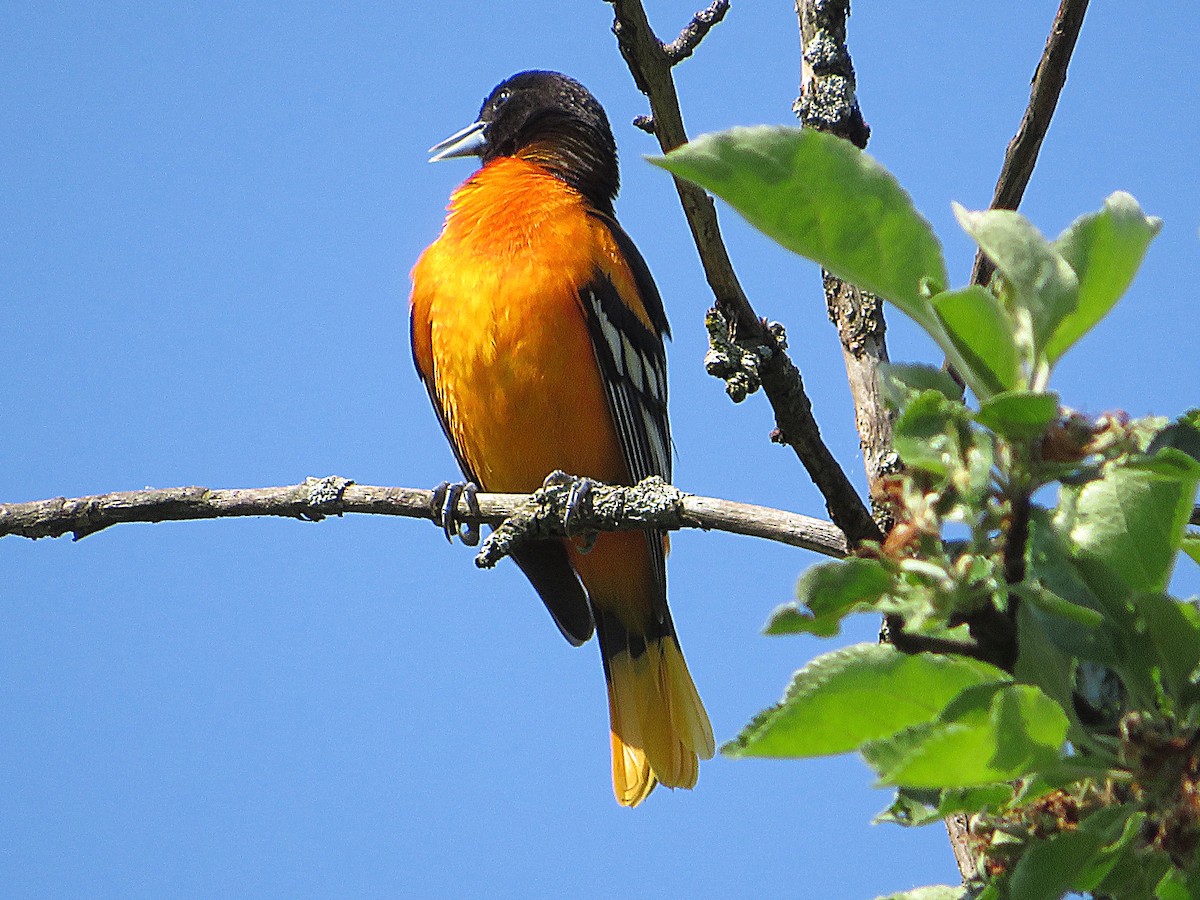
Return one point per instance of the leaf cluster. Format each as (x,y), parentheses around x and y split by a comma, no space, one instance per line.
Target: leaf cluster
(1039,677)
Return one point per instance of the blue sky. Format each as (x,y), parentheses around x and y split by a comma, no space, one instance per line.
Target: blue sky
(208,216)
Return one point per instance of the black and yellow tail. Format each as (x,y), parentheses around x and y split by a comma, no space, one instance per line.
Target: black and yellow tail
(659,726)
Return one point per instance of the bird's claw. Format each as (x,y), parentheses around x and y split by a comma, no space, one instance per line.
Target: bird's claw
(443,509)
(579,493)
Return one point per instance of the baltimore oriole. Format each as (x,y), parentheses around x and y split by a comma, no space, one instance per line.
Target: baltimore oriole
(538,332)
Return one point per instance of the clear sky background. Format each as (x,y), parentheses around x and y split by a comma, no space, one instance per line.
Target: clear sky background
(208,213)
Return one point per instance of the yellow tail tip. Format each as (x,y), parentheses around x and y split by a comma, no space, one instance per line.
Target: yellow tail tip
(633,779)
(659,727)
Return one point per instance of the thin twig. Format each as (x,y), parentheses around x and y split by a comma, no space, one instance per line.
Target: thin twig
(694,31)
(1022,154)
(650,64)
(651,504)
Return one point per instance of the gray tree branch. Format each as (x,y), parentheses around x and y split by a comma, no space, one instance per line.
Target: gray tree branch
(829,102)
(651,504)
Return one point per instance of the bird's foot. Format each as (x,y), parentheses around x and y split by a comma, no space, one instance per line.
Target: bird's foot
(443,509)
(579,492)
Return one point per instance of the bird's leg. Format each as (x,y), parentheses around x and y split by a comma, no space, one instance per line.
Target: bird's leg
(443,509)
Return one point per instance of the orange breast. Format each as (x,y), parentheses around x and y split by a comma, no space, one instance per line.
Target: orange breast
(500,334)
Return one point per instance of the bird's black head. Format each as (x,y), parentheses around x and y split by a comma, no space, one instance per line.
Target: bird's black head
(552,120)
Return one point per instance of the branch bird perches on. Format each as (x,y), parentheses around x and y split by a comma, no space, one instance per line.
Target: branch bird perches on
(650,504)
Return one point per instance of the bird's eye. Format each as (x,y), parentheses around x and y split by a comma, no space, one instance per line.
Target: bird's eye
(502,97)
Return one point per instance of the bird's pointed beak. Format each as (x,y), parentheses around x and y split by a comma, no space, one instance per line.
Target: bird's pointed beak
(471,141)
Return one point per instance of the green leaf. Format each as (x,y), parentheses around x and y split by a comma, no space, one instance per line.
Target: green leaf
(1049,602)
(1043,283)
(902,381)
(1117,642)
(827,593)
(1169,462)
(1051,868)
(1174,887)
(913,808)
(1182,435)
(980,339)
(910,808)
(1042,662)
(857,694)
(1018,415)
(1174,629)
(1069,772)
(926,433)
(1131,520)
(823,198)
(1105,249)
(1177,885)
(1112,852)
(1191,546)
(1053,576)
(989,733)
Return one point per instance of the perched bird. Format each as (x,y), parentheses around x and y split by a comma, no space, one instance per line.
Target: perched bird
(538,332)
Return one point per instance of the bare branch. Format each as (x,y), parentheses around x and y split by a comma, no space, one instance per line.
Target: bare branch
(828,102)
(652,504)
(858,317)
(958,829)
(1023,149)
(650,64)
(651,69)
(693,33)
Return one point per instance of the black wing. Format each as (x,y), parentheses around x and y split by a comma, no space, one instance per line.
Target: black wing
(633,361)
